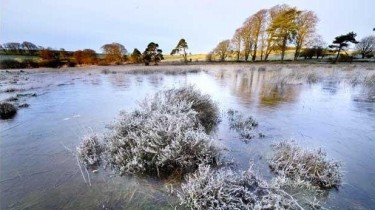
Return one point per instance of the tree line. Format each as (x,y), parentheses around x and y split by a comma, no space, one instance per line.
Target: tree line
(112,53)
(280,29)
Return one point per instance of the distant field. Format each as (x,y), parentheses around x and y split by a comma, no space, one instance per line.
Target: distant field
(19,57)
(194,57)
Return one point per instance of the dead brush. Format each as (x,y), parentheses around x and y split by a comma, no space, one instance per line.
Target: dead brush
(226,189)
(89,151)
(245,126)
(162,136)
(292,161)
(207,110)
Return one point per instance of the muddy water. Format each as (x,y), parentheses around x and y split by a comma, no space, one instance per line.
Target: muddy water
(38,171)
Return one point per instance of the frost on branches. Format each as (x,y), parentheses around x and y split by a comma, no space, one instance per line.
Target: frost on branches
(310,166)
(225,189)
(167,133)
(89,151)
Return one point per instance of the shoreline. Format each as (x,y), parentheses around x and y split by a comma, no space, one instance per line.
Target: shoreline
(164,66)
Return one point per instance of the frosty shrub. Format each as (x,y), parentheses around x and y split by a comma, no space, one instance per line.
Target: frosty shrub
(311,166)
(207,110)
(162,136)
(244,126)
(7,110)
(89,151)
(225,189)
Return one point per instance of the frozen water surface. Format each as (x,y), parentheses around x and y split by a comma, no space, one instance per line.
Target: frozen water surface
(332,107)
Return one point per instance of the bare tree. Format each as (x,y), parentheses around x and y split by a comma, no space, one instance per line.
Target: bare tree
(237,43)
(306,23)
(247,39)
(13,47)
(223,49)
(366,46)
(29,47)
(259,23)
(319,46)
(262,42)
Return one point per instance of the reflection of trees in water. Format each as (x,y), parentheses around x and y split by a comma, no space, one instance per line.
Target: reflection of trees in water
(331,86)
(274,94)
(245,85)
(255,87)
(155,80)
(120,80)
(222,77)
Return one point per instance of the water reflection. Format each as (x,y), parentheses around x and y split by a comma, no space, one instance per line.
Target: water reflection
(155,80)
(258,88)
(273,95)
(120,80)
(330,86)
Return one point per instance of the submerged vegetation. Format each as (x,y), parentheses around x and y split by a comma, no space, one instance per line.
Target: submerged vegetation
(89,151)
(226,189)
(7,110)
(292,161)
(244,126)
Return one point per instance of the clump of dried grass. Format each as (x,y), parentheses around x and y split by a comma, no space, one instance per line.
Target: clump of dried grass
(164,135)
(292,161)
(89,151)
(225,189)
(207,110)
(245,126)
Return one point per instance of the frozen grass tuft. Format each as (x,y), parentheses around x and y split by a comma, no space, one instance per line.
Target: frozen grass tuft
(7,110)
(292,161)
(225,189)
(89,151)
(244,126)
(164,135)
(207,110)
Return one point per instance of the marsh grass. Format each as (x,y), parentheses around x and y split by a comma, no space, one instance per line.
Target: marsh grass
(226,189)
(7,110)
(207,110)
(293,162)
(164,135)
(245,126)
(89,151)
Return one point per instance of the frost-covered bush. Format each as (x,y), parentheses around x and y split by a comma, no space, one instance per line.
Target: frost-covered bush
(89,151)
(292,161)
(244,126)
(225,189)
(208,112)
(7,110)
(163,136)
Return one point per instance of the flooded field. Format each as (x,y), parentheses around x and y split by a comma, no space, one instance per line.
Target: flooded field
(331,107)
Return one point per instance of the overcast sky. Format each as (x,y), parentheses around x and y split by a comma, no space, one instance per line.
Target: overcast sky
(80,24)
